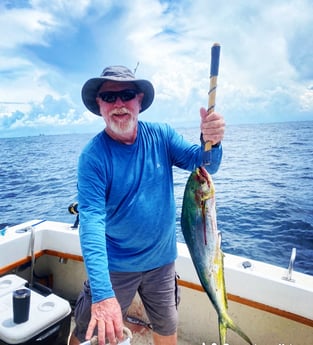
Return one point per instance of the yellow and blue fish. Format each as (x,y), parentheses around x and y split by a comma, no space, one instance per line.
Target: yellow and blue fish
(203,240)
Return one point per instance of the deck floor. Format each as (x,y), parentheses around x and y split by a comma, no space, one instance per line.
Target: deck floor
(144,337)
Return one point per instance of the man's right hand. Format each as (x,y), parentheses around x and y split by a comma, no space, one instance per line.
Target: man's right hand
(107,316)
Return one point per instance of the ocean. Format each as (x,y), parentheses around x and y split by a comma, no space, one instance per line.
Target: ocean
(264,187)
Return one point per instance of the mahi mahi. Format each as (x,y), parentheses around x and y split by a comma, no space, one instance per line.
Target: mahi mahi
(203,240)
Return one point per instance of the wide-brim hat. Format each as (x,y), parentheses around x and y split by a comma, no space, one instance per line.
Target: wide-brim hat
(120,74)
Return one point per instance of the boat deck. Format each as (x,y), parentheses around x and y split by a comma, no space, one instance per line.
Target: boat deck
(144,337)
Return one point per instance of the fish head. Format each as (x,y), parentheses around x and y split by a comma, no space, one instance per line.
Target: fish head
(198,211)
(202,185)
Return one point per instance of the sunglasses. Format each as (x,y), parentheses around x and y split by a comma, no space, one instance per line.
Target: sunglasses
(123,95)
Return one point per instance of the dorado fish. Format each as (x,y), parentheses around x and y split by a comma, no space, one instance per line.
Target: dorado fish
(203,240)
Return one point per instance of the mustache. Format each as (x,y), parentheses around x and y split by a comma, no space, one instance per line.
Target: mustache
(119,111)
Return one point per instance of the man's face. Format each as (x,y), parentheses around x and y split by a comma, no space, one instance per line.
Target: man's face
(120,116)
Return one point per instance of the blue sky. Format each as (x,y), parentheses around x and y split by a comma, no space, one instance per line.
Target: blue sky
(50,48)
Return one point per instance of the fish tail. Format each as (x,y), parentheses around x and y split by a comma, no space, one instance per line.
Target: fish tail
(225,323)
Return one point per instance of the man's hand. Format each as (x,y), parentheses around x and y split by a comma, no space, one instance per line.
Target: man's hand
(107,316)
(212,126)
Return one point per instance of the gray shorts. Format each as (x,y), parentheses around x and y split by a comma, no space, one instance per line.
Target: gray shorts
(157,288)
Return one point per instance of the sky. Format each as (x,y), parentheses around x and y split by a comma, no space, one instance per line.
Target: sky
(49,49)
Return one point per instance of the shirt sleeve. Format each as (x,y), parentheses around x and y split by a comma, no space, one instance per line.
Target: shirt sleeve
(91,202)
(190,156)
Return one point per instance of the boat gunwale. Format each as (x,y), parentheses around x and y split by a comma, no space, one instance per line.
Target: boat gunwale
(181,282)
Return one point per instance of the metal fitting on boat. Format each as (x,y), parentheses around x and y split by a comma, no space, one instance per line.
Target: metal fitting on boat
(246,264)
(62,260)
(288,277)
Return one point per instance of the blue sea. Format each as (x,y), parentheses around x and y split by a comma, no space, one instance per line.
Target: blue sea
(264,188)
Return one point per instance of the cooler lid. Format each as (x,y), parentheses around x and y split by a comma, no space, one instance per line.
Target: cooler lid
(44,312)
(10,282)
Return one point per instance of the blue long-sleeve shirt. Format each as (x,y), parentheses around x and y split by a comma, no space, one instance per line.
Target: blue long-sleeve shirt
(126,201)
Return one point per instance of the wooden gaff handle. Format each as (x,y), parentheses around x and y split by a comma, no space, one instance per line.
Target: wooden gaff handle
(215,60)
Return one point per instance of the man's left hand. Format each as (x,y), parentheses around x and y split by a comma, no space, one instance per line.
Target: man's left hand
(212,126)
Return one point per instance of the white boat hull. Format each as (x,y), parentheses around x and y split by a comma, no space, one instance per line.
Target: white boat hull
(268,308)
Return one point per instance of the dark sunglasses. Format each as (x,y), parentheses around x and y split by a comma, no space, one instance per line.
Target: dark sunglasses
(124,95)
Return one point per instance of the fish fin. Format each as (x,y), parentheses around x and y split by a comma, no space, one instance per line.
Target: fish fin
(223,284)
(223,332)
(226,323)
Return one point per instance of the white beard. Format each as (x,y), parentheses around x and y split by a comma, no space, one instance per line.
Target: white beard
(124,128)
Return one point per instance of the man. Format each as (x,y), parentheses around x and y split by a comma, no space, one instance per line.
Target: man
(127,208)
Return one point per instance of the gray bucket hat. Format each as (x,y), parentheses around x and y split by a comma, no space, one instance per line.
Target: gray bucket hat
(120,74)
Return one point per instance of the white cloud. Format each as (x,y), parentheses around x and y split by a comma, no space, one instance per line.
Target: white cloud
(49,48)
(306,100)
(24,26)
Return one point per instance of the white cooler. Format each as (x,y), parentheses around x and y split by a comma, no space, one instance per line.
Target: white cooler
(49,316)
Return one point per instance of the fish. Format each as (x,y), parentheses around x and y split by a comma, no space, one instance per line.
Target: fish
(199,228)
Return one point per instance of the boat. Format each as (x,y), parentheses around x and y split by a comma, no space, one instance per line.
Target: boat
(271,304)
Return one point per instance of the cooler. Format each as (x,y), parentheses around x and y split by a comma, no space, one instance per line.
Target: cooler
(49,317)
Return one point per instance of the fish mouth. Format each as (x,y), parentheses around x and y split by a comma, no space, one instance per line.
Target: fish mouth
(202,176)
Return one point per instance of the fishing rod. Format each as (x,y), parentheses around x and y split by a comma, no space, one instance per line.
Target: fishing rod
(215,61)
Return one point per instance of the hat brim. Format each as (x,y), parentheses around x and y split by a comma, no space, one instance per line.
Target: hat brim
(92,86)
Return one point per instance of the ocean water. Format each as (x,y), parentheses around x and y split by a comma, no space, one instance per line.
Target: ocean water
(264,188)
